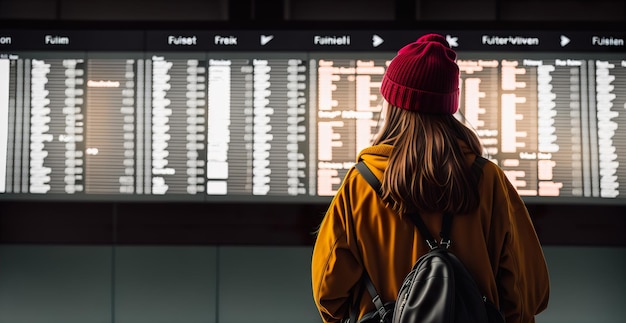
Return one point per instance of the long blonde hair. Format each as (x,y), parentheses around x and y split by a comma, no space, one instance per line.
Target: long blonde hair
(427,169)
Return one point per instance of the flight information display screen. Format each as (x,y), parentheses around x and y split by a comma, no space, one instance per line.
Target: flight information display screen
(280,115)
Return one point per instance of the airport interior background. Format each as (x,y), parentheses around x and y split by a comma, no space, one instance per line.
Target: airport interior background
(227,261)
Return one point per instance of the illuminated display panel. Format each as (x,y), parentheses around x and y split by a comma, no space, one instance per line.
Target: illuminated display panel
(257,124)
(281,116)
(346,105)
(550,121)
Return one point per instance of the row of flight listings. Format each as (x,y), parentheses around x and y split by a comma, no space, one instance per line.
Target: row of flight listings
(289,125)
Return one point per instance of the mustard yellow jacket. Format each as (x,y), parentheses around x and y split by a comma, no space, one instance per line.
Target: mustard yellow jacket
(497,243)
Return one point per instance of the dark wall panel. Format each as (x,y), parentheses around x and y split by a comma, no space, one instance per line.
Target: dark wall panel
(251,223)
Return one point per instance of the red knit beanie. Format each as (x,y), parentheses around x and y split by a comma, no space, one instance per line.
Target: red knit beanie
(423,77)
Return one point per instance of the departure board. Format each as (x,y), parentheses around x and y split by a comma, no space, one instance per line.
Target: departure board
(281,115)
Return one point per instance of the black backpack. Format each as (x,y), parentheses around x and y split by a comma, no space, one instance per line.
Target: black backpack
(438,288)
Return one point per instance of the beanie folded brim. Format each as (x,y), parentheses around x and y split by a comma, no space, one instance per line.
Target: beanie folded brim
(419,100)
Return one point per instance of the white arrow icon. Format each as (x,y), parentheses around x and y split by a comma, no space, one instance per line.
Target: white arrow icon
(377,40)
(266,39)
(564,40)
(452,41)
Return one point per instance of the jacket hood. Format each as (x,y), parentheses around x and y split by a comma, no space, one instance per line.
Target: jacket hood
(377,156)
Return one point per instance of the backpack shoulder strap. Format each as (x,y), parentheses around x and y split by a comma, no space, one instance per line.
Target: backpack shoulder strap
(371,289)
(477,166)
(446,224)
(416,218)
(366,172)
(369,176)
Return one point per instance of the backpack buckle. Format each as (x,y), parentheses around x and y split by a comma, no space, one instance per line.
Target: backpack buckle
(432,245)
(380,308)
(446,243)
